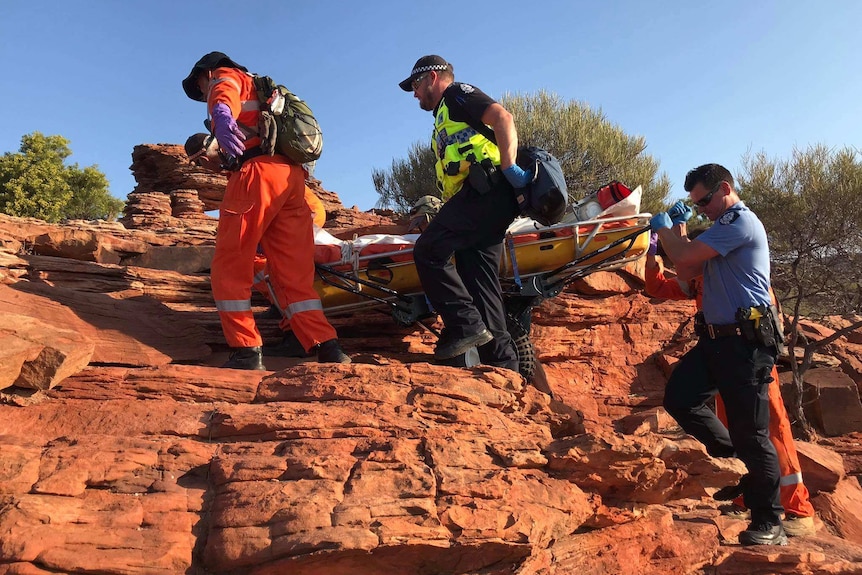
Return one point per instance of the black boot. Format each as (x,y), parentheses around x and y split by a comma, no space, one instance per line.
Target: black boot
(289,347)
(449,346)
(731,492)
(245,358)
(763,534)
(331,352)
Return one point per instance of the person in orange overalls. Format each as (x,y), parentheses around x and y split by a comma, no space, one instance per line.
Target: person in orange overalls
(264,205)
(799,513)
(290,345)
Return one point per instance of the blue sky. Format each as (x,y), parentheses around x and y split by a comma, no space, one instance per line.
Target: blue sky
(701,81)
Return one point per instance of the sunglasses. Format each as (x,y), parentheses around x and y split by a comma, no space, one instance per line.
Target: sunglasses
(704,201)
(200,155)
(418,80)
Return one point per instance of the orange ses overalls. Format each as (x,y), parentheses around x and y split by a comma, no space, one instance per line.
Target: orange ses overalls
(264,203)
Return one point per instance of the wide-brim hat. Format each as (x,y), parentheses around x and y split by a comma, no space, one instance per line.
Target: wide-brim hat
(422,65)
(209,62)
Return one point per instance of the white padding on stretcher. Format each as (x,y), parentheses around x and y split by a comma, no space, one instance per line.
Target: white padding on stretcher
(628,206)
(350,249)
(324,238)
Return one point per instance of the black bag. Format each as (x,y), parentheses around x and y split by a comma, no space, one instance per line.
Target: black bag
(546,197)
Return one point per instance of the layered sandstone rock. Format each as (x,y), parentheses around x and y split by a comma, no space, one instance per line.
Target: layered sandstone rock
(39,355)
(173,193)
(152,460)
(164,169)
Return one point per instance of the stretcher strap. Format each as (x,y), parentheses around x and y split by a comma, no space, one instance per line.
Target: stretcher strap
(350,253)
(346,251)
(510,245)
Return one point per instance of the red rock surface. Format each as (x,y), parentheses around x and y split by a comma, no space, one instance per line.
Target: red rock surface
(153,460)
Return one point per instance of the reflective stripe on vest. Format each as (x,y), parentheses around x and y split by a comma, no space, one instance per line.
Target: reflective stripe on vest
(249,104)
(233,304)
(791,479)
(453,142)
(301,306)
(216,81)
(259,277)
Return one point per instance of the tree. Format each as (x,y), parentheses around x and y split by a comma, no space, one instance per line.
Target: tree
(90,198)
(810,208)
(592,151)
(35,182)
(407,180)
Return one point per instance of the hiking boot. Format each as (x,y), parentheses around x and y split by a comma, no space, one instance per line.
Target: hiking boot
(448,347)
(734,511)
(798,526)
(763,534)
(245,358)
(289,347)
(730,492)
(331,352)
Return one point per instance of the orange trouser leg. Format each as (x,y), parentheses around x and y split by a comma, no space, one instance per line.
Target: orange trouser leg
(288,243)
(260,273)
(242,219)
(794,495)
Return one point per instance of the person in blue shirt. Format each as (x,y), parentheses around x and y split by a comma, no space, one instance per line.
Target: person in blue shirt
(729,358)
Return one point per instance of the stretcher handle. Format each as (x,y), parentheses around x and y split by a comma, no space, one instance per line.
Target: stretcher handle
(579,273)
(323,269)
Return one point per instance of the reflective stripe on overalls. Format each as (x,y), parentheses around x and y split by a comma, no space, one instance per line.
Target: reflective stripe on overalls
(301,306)
(229,305)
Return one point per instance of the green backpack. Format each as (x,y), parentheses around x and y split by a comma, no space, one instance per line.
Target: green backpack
(287,126)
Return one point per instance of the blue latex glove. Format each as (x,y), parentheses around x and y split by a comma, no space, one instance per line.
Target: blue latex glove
(660,221)
(517,176)
(680,213)
(653,244)
(228,134)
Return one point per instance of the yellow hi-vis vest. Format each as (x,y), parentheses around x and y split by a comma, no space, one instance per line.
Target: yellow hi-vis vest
(453,142)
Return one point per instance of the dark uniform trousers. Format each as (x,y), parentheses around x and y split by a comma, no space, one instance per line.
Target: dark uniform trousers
(467,293)
(740,371)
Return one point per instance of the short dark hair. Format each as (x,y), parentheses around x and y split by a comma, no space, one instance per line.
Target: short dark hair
(195,143)
(708,175)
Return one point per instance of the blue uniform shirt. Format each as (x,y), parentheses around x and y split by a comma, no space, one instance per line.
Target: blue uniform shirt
(739,276)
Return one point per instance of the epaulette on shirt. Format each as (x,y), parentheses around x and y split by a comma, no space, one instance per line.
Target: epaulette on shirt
(728,217)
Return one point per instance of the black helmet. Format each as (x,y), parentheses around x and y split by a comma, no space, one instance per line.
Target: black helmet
(208,62)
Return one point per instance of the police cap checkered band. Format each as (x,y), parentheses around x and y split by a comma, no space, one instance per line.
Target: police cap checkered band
(422,65)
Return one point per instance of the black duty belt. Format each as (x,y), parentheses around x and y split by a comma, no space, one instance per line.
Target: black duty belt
(715,331)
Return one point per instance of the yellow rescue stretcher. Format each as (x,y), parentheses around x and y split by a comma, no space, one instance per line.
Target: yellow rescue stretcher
(538,263)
